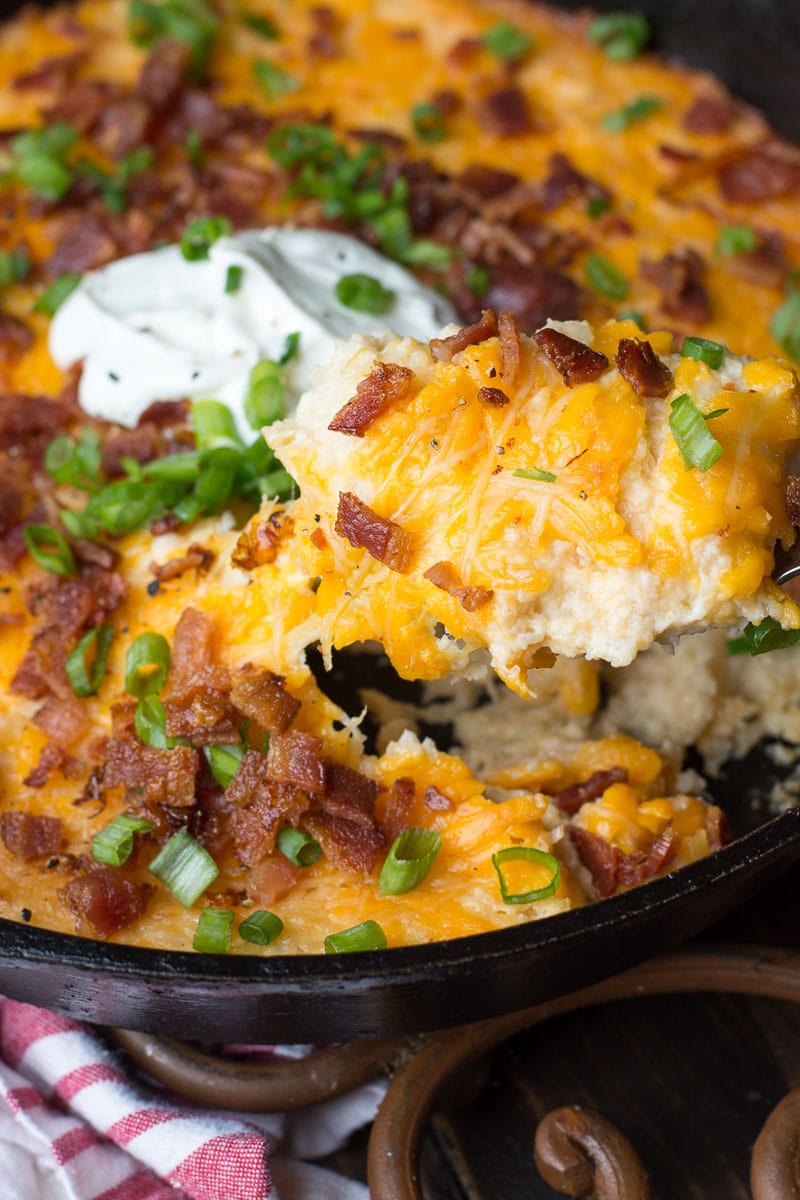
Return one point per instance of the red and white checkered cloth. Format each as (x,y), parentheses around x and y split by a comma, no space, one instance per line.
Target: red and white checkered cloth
(74,1125)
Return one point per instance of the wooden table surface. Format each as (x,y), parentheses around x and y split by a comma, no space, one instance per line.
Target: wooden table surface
(689,1079)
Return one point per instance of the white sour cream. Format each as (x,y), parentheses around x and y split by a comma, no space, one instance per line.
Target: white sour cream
(156,327)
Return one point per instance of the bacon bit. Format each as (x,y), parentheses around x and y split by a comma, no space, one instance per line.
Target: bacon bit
(52,758)
(710,114)
(766,266)
(27,836)
(565,182)
(262,808)
(493,396)
(570,799)
(95,554)
(122,126)
(27,421)
(83,243)
(505,112)
(259,540)
(386,385)
(764,174)
(349,845)
(141,444)
(192,653)
(11,620)
(510,349)
(575,361)
(12,501)
(448,102)
(383,539)
(678,277)
(639,365)
(639,866)
(463,52)
(349,794)
(296,758)
(208,718)
(436,801)
(271,880)
(107,899)
(166,524)
(318,539)
(444,575)
(534,294)
(160,776)
(262,696)
(52,73)
(62,720)
(164,74)
(398,810)
(676,155)
(81,104)
(487,182)
(793,499)
(717,830)
(379,137)
(444,349)
(165,414)
(600,858)
(197,557)
(15,339)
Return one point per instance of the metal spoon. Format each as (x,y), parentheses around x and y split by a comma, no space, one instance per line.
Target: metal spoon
(787,564)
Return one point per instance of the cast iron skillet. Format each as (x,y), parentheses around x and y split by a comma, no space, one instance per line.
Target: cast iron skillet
(754,45)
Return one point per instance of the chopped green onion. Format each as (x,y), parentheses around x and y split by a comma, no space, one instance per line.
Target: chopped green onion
(265,398)
(298,846)
(428,121)
(605,277)
(290,348)
(114,187)
(213,486)
(710,353)
(424,253)
(14,266)
(85,676)
(736,239)
(273,80)
(213,425)
(192,22)
(364,293)
(259,24)
(261,928)
(637,110)
(114,843)
(622,35)
(478,280)
(77,524)
(535,473)
(530,855)
(366,936)
(40,155)
(633,314)
(697,446)
(199,236)
(233,279)
(147,665)
(194,147)
(46,177)
(50,141)
(762,638)
(175,468)
(718,412)
(49,548)
(224,762)
(123,506)
(54,296)
(150,722)
(409,860)
(596,206)
(75,463)
(785,325)
(185,867)
(506,42)
(213,932)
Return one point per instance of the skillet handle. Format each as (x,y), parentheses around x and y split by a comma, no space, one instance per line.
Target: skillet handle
(580,1153)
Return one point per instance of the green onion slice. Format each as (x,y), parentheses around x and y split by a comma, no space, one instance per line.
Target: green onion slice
(762,638)
(478,280)
(605,277)
(290,348)
(298,846)
(49,548)
(535,473)
(366,936)
(409,860)
(710,353)
(192,22)
(622,35)
(213,425)
(736,239)
(697,445)
(114,843)
(213,932)
(199,236)
(150,722)
(14,266)
(637,110)
(75,463)
(506,42)
(428,121)
(86,665)
(51,299)
(224,762)
(259,24)
(596,206)
(261,928)
(633,314)
(273,80)
(147,664)
(233,279)
(785,325)
(194,147)
(265,398)
(530,855)
(364,293)
(185,867)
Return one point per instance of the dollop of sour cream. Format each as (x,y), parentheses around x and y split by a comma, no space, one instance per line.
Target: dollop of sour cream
(158,327)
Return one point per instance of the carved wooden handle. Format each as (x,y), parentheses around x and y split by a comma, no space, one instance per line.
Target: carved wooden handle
(775,1166)
(581,1154)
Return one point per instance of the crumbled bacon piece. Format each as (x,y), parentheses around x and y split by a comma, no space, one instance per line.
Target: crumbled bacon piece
(793,499)
(82,243)
(296,758)
(386,385)
(600,858)
(570,799)
(141,444)
(462,52)
(640,366)
(710,114)
(765,266)
(640,866)
(383,539)
(533,293)
(81,104)
(349,794)
(121,126)
(350,845)
(575,361)
(161,776)
(510,349)
(15,339)
(678,277)
(262,696)
(12,502)
(398,810)
(564,182)
(436,801)
(443,349)
(505,112)
(259,540)
(52,73)
(192,653)
(63,720)
(107,899)
(487,182)
(271,880)
(164,414)
(95,554)
(207,718)
(262,807)
(766,173)
(28,421)
(197,558)
(717,830)
(495,397)
(164,73)
(27,836)
(444,575)
(52,758)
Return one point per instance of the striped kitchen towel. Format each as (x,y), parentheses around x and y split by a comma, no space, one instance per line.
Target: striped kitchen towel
(74,1125)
